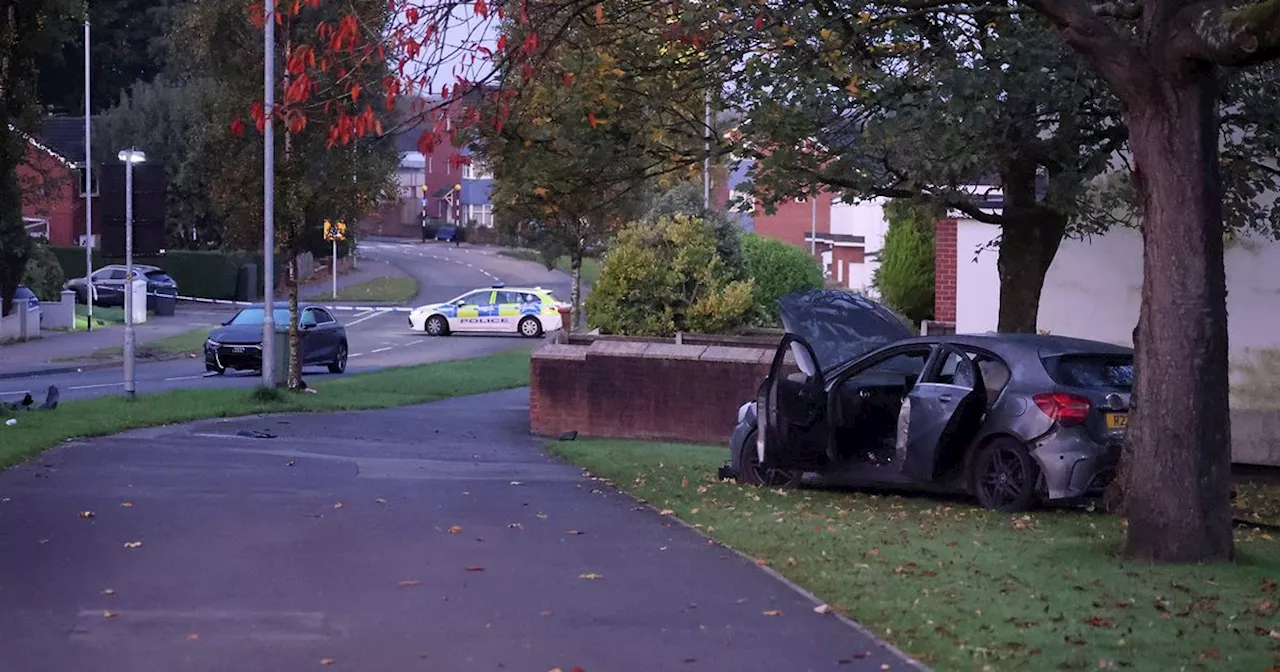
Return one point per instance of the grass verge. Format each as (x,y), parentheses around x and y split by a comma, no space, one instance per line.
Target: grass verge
(397,289)
(590,265)
(36,431)
(169,347)
(103,316)
(963,588)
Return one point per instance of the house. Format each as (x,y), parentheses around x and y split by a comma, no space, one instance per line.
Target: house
(52,182)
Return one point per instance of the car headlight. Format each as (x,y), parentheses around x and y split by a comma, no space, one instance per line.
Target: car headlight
(744,409)
(211,344)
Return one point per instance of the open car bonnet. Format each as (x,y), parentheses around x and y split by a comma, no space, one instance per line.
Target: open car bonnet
(838,325)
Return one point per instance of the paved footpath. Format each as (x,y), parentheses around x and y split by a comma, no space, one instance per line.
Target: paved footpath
(426,538)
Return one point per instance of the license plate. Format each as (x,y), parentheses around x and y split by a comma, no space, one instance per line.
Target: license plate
(238,351)
(1117,420)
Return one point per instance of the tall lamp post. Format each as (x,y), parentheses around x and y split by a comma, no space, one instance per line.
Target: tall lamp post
(129,157)
(268,199)
(88,182)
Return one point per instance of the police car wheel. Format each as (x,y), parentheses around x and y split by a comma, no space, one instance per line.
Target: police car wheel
(437,326)
(530,327)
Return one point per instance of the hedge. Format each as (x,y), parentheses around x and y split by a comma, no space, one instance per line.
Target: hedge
(206,274)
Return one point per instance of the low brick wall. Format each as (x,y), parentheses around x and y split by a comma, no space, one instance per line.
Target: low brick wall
(627,389)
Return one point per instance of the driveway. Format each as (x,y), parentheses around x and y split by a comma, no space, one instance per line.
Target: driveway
(437,537)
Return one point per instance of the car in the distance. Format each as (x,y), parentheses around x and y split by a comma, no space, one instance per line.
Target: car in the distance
(1012,419)
(108,284)
(448,234)
(237,344)
(527,311)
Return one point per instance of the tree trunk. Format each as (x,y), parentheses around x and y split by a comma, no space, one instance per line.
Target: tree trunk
(575,294)
(1027,248)
(295,336)
(1177,454)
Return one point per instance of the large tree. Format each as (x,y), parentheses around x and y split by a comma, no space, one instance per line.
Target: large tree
(333,159)
(30,30)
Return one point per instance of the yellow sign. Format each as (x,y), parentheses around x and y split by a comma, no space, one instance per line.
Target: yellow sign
(334,232)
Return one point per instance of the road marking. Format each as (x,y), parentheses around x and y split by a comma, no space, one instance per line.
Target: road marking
(359,319)
(167,380)
(355,354)
(379,350)
(94,387)
(14,393)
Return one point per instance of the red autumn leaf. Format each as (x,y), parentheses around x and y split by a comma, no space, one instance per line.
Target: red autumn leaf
(355,92)
(591,117)
(568,79)
(502,43)
(1099,622)
(237,127)
(411,15)
(759,23)
(481,8)
(599,13)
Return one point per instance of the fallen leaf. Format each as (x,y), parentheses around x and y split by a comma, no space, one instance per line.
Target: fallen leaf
(132,544)
(338,505)
(109,592)
(1099,622)
(516,526)
(380,500)
(291,463)
(574,532)
(1268,586)
(772,612)
(516,483)
(410,582)
(591,576)
(108,614)
(192,637)
(822,609)
(761,562)
(542,516)
(86,514)
(475,568)
(684,482)
(666,512)
(454,529)
(326,661)
(546,612)
(126,505)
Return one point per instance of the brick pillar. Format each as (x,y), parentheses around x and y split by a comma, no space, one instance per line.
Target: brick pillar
(944,271)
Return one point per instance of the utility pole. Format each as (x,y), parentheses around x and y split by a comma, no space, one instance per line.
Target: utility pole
(424,213)
(268,199)
(129,157)
(706,159)
(88,179)
(813,225)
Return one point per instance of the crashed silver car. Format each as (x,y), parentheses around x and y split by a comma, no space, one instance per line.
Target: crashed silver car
(1012,419)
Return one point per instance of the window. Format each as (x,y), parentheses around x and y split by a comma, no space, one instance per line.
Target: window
(478,299)
(93,177)
(114,274)
(431,164)
(482,214)
(1114,371)
(323,316)
(904,367)
(478,169)
(510,297)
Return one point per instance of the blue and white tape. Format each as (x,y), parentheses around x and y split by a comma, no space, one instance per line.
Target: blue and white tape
(227,302)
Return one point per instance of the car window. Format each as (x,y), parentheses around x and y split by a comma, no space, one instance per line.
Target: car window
(478,298)
(903,367)
(323,316)
(1114,371)
(115,274)
(508,297)
(255,316)
(956,369)
(159,276)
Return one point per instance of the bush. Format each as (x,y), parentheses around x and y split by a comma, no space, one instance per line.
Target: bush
(665,277)
(43,274)
(778,269)
(206,274)
(686,199)
(905,276)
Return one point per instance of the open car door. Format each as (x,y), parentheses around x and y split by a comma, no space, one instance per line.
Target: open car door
(946,410)
(791,411)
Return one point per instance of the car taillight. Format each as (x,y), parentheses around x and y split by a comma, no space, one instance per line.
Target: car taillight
(1066,409)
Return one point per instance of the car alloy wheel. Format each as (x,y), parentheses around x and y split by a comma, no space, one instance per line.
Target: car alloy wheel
(436,326)
(1005,476)
(339,363)
(753,473)
(530,327)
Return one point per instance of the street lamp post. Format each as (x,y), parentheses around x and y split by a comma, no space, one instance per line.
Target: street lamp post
(129,157)
(268,199)
(424,213)
(88,182)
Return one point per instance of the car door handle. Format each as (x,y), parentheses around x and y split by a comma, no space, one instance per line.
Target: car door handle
(945,397)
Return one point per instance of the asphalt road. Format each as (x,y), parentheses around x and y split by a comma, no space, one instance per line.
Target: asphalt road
(371,541)
(377,339)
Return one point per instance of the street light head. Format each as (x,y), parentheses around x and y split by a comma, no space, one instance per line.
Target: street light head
(131,156)
(457,187)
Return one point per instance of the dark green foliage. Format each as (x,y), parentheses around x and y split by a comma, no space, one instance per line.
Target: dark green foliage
(208,274)
(778,269)
(44,274)
(906,272)
(686,199)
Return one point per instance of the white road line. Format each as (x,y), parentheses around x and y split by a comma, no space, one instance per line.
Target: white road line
(371,314)
(379,349)
(354,354)
(167,380)
(94,387)
(15,393)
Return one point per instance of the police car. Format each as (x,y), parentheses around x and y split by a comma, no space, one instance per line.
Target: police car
(528,311)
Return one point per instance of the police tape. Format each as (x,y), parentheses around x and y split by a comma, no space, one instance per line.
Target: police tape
(228,302)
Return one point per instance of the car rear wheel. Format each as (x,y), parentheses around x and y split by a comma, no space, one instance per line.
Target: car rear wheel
(339,363)
(1005,476)
(530,327)
(750,471)
(437,326)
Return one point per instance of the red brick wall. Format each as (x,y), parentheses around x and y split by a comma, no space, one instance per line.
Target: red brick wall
(944,265)
(51,190)
(793,220)
(662,391)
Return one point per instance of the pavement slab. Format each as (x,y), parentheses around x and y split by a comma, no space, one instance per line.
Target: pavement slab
(438,537)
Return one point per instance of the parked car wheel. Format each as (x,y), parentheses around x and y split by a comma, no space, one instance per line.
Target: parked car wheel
(530,327)
(339,363)
(1005,475)
(437,326)
(750,472)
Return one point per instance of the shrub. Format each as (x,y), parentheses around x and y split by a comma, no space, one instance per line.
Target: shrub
(208,274)
(668,276)
(905,276)
(686,199)
(778,269)
(43,274)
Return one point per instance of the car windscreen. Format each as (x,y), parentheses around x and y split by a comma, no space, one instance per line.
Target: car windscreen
(159,277)
(255,316)
(1092,371)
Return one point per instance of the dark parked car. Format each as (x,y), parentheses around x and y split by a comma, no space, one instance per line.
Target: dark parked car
(1008,418)
(108,284)
(237,344)
(448,234)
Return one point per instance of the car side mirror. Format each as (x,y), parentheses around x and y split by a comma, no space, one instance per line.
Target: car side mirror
(226,322)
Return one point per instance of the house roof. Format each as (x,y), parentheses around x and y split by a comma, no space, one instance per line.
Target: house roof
(41,147)
(64,136)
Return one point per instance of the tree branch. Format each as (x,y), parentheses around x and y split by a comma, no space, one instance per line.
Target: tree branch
(1232,37)
(1117,59)
(1126,10)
